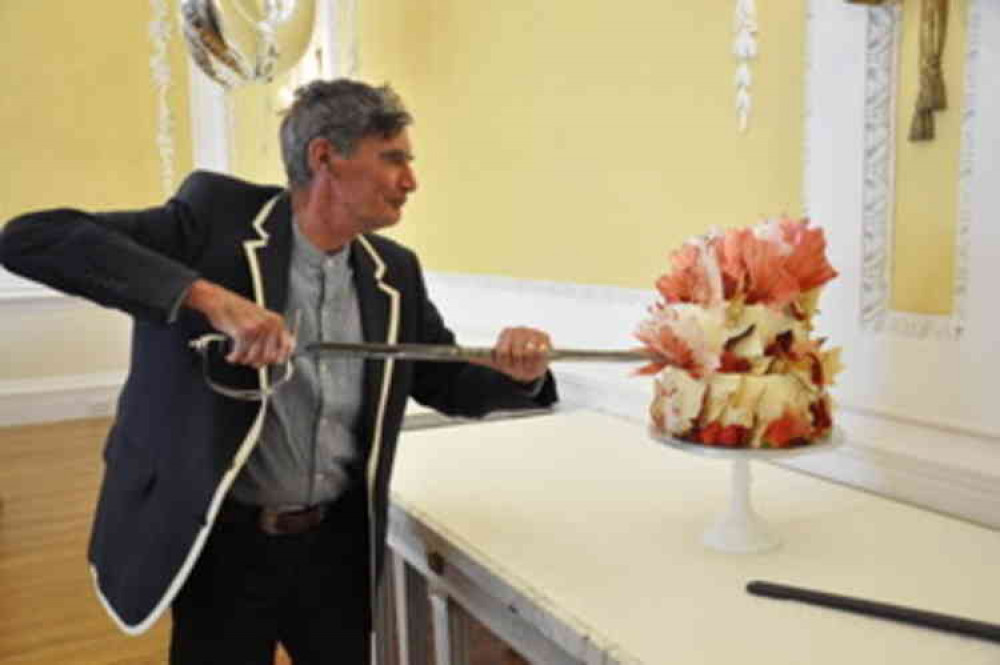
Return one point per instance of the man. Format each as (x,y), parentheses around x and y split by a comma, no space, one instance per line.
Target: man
(258,510)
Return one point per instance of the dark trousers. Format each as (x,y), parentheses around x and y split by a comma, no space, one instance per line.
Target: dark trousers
(250,590)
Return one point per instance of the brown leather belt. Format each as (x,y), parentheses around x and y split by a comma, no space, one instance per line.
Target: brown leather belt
(272,521)
(278,523)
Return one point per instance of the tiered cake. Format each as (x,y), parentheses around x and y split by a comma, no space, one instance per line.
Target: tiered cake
(737,363)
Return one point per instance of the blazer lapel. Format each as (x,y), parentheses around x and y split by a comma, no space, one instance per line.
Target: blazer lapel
(268,261)
(372,301)
(269,254)
(379,304)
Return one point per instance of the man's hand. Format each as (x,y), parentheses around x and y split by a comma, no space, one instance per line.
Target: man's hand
(521,354)
(259,335)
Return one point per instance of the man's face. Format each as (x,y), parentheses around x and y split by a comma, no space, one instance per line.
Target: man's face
(374,181)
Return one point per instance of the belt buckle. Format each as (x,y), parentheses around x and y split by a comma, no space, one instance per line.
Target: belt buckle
(269,521)
(279,523)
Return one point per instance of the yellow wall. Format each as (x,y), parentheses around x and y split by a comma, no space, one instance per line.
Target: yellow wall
(80,109)
(79,116)
(926,215)
(581,140)
(572,140)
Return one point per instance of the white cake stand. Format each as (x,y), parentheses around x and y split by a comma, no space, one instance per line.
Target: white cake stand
(740,530)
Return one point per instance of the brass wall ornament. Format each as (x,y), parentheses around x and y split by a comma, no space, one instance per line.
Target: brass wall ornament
(932,96)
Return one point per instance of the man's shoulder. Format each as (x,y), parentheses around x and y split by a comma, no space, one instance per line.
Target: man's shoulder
(209,186)
(388,249)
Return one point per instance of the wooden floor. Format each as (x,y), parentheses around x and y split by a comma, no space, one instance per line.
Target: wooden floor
(49,614)
(48,610)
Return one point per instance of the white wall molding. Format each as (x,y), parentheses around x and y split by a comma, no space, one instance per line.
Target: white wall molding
(51,399)
(917,460)
(967,213)
(809,97)
(341,38)
(881,64)
(15,290)
(881,91)
(939,368)
(904,462)
(211,117)
(211,126)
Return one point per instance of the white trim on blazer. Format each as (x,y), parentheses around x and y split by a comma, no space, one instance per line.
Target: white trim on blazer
(250,247)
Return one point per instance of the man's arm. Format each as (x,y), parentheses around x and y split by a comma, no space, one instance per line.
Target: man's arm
(132,261)
(139,262)
(259,335)
(515,378)
(521,354)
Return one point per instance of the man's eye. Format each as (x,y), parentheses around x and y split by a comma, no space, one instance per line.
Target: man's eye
(398,159)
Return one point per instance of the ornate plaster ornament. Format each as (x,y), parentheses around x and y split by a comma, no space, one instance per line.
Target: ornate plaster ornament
(879,184)
(745,50)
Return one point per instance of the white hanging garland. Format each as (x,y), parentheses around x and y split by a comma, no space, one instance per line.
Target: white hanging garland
(745,50)
(159,63)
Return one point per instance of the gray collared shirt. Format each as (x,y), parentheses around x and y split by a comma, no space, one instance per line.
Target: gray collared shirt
(308,438)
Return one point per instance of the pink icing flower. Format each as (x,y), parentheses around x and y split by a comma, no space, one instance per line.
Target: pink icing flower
(667,348)
(729,253)
(676,342)
(768,281)
(771,263)
(679,284)
(695,276)
(807,262)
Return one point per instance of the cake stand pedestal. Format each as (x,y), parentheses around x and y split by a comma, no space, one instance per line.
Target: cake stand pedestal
(740,530)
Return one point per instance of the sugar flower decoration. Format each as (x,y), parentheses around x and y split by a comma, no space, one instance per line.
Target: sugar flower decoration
(776,263)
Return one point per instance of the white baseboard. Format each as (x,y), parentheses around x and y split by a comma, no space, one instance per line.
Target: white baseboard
(916,461)
(15,290)
(51,399)
(942,487)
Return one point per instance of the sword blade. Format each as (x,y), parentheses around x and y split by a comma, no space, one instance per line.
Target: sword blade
(451,353)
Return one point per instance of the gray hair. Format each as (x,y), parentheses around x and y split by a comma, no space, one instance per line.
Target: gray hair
(343,112)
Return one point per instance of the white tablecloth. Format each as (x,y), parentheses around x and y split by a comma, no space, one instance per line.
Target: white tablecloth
(602,527)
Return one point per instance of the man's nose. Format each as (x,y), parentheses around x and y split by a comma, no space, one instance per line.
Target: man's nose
(409,180)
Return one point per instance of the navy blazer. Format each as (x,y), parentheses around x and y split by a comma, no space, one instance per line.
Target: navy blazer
(176,446)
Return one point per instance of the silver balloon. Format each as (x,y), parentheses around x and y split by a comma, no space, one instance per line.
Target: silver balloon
(247,41)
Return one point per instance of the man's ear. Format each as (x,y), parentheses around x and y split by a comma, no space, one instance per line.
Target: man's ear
(321,155)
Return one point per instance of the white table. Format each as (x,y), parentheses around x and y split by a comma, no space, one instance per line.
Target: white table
(577,539)
(419,416)
(390,620)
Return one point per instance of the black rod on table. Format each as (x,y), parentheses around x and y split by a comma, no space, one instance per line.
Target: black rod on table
(927,619)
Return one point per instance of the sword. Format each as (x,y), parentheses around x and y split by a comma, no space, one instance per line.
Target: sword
(452,353)
(428,352)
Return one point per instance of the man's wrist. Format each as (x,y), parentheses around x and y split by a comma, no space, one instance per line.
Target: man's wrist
(200,295)
(179,301)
